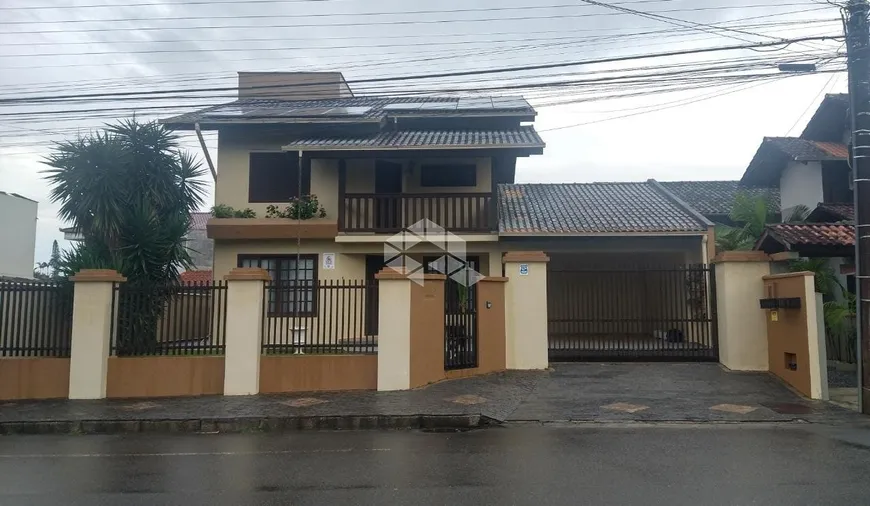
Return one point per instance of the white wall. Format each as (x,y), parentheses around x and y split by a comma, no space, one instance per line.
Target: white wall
(18,232)
(801,184)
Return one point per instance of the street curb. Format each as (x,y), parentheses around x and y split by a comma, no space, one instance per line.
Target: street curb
(250,424)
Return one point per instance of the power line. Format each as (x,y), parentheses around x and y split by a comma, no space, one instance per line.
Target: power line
(336,25)
(666,33)
(213,3)
(785,42)
(199,75)
(682,104)
(366,14)
(829,82)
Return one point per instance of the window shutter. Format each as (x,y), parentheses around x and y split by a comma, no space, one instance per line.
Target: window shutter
(274,177)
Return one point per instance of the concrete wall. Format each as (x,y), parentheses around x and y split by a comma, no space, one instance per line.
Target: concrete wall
(34,378)
(201,250)
(801,184)
(18,226)
(164,376)
(742,329)
(309,373)
(292,85)
(796,350)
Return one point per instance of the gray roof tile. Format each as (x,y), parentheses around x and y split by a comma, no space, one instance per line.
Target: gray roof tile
(522,137)
(591,208)
(716,197)
(257,110)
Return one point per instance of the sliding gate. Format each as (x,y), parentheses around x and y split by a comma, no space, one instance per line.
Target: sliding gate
(662,313)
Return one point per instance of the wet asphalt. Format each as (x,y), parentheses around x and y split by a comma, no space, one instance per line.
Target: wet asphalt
(712,464)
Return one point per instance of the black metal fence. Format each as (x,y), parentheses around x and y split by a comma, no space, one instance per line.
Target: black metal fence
(171,319)
(665,313)
(322,317)
(35,319)
(460,326)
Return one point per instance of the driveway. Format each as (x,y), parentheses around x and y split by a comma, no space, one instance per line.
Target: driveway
(604,392)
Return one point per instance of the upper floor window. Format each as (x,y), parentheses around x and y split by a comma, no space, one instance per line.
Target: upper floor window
(274,177)
(448,175)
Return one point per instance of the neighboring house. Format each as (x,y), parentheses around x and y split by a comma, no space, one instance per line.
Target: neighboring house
(715,199)
(18,223)
(380,164)
(200,246)
(813,171)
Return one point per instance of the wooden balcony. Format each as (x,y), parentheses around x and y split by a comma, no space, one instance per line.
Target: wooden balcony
(388,213)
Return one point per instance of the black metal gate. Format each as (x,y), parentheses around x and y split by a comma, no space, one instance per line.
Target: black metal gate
(460,326)
(661,313)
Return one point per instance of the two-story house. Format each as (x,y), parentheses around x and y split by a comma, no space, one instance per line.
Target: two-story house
(812,171)
(389,169)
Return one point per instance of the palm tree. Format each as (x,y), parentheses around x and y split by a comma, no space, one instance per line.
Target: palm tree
(129,191)
(753,213)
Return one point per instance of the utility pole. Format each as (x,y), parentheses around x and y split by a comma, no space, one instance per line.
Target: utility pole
(858,61)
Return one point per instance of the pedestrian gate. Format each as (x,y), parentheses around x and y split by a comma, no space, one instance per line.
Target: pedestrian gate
(460,325)
(662,313)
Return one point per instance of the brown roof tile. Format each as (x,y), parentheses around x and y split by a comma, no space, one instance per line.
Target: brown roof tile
(813,234)
(190,277)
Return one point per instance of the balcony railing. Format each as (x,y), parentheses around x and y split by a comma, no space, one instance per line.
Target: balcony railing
(392,212)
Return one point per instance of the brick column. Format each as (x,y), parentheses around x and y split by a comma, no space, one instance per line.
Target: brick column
(91,332)
(245,313)
(526,309)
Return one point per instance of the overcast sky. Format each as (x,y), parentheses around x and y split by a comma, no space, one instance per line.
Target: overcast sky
(77,47)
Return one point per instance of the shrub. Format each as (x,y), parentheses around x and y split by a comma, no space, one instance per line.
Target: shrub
(304,208)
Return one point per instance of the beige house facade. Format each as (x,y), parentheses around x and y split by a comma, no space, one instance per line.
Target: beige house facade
(411,182)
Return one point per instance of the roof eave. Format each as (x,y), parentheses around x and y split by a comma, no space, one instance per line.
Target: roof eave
(672,233)
(532,148)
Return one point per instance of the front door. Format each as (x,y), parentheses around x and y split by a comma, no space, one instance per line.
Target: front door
(388,201)
(374,264)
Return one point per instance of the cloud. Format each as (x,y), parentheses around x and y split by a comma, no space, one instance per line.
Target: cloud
(711,139)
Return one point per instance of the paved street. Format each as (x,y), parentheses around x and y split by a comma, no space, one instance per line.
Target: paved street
(712,464)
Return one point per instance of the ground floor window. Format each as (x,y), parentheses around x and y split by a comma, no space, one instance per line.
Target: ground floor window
(294,282)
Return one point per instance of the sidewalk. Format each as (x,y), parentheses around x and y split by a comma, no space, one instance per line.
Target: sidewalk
(569,393)
(467,403)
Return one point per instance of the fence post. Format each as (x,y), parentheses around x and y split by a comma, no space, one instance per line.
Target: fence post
(244,332)
(93,311)
(742,326)
(526,310)
(394,330)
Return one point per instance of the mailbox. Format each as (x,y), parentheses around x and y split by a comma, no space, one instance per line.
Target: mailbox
(781,303)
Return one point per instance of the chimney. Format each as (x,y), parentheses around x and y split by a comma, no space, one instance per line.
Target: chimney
(293,85)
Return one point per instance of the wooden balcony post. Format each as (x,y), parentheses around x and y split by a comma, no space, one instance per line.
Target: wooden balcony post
(342,188)
(492,210)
